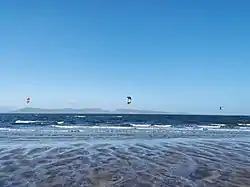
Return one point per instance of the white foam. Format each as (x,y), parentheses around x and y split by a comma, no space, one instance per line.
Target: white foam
(109,127)
(244,124)
(141,125)
(218,124)
(210,126)
(26,122)
(245,128)
(162,126)
(89,127)
(12,129)
(149,126)
(80,116)
(235,130)
(67,126)
(5,129)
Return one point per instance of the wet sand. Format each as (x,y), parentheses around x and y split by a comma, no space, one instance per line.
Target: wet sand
(126,163)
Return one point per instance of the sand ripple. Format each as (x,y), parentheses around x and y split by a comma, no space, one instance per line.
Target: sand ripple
(180,163)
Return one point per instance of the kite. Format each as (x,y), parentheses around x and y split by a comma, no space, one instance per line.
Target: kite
(129,100)
(28,100)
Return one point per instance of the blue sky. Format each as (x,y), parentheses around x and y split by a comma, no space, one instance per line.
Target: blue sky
(177,56)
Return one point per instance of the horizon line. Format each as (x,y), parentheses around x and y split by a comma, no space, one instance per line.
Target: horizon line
(105,111)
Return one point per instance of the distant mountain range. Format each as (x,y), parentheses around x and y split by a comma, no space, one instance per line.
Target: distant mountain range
(86,110)
(136,111)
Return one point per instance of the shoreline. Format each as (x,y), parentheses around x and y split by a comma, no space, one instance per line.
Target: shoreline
(198,162)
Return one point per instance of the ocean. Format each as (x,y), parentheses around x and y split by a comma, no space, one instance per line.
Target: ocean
(95,150)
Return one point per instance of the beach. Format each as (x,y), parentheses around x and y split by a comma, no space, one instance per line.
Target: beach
(108,157)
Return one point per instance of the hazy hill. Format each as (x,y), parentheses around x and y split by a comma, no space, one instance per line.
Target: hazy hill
(85,110)
(135,111)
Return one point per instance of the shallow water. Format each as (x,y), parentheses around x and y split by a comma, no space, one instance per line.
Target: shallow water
(124,157)
(128,162)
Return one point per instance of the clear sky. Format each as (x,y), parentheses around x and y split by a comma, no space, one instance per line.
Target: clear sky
(172,55)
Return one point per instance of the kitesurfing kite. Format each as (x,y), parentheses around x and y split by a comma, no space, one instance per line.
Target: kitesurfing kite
(28,100)
(221,107)
(129,100)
